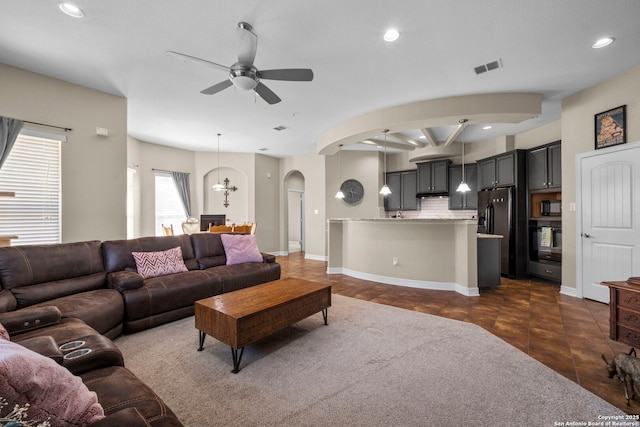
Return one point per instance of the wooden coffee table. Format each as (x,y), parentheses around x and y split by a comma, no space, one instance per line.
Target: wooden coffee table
(242,317)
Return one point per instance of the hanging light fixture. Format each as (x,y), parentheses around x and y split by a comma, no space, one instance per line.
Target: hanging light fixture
(385,190)
(463,187)
(218,186)
(339,194)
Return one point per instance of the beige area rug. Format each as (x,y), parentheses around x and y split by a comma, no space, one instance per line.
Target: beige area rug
(373,365)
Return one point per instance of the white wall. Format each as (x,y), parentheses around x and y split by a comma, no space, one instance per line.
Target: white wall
(94,168)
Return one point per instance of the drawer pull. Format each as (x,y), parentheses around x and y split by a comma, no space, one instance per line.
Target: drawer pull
(631,299)
(630,318)
(548,271)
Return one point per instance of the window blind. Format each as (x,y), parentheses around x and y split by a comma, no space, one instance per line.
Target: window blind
(32,171)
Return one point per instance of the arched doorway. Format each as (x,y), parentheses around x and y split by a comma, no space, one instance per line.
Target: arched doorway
(295,236)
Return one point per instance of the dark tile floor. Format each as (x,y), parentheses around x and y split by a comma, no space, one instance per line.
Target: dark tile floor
(567,334)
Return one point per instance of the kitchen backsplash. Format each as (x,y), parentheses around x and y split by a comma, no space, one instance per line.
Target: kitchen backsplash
(435,207)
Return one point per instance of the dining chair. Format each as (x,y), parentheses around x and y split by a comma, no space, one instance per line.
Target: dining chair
(168,231)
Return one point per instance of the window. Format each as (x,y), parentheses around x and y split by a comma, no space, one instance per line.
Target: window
(32,171)
(169,208)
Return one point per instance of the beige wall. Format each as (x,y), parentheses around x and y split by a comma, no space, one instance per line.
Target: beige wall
(578,136)
(363,166)
(313,169)
(144,157)
(267,205)
(94,175)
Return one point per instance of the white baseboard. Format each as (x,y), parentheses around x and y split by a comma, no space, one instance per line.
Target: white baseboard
(421,284)
(565,290)
(315,257)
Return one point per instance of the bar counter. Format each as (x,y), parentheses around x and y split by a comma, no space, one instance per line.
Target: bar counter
(424,253)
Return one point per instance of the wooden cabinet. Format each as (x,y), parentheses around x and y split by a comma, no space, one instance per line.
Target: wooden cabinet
(498,171)
(403,186)
(624,306)
(433,177)
(544,169)
(468,200)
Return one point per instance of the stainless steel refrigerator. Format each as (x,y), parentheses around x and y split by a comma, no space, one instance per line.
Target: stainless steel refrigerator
(496,215)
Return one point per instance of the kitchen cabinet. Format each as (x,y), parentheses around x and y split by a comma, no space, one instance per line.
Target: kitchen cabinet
(433,177)
(497,171)
(544,167)
(468,200)
(403,186)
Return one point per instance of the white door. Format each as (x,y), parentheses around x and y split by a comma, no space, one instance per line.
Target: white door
(609,230)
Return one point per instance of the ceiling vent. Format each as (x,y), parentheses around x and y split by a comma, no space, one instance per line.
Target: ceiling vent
(488,67)
(280,128)
(263,149)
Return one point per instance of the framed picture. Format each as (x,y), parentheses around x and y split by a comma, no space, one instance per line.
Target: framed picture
(611,127)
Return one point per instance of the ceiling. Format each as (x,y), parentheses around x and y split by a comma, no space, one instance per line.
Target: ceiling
(119,47)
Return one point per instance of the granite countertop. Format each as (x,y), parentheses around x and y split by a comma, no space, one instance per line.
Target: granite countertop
(490,236)
(404,219)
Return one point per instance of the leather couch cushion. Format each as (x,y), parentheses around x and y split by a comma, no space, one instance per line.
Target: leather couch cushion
(240,276)
(102,309)
(31,295)
(118,253)
(34,264)
(208,249)
(167,293)
(117,388)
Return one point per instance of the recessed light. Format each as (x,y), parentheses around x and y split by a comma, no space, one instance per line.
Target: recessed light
(391,35)
(71,10)
(605,41)
(487,127)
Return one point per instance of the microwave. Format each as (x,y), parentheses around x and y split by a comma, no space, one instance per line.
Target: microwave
(551,207)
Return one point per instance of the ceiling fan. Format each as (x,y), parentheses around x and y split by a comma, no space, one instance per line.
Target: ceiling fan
(243,74)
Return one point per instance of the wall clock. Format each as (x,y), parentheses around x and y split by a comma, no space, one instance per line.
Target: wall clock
(353,191)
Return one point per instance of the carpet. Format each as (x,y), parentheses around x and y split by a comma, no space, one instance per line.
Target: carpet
(373,365)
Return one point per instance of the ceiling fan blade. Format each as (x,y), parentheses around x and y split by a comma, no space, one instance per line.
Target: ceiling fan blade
(217,87)
(195,60)
(247,44)
(290,74)
(267,94)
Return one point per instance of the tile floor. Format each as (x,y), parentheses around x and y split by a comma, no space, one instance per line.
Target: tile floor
(565,333)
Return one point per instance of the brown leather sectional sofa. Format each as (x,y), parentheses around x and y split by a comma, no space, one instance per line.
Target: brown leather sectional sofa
(90,292)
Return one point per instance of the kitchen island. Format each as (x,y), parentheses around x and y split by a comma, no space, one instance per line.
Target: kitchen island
(424,253)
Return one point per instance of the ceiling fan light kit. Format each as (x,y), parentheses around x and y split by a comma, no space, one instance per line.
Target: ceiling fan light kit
(243,74)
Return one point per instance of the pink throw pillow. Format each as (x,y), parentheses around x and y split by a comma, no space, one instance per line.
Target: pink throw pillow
(4,334)
(240,248)
(52,392)
(153,264)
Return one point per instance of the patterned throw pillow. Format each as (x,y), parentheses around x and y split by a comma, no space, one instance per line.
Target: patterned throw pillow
(153,264)
(240,248)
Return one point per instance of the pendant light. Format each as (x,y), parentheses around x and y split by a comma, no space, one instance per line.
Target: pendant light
(339,194)
(463,187)
(218,186)
(385,190)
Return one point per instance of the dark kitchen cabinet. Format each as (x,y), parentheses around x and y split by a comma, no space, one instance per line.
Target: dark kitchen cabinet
(498,171)
(468,200)
(433,177)
(403,186)
(544,169)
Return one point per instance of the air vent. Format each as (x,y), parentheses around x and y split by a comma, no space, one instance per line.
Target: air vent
(488,67)
(263,149)
(278,128)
